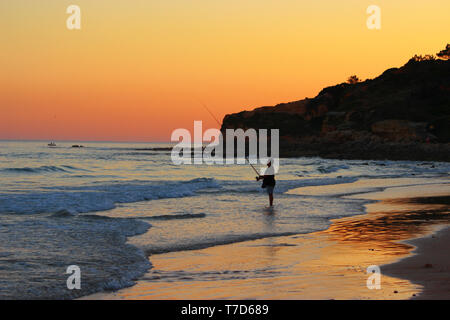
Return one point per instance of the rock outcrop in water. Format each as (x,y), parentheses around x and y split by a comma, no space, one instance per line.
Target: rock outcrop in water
(404,114)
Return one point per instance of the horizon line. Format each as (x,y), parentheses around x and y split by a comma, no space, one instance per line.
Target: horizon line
(70,140)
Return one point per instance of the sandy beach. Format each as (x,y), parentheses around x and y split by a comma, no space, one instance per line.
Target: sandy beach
(405,232)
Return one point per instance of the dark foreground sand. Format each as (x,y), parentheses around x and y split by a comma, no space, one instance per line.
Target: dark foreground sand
(331,264)
(428,266)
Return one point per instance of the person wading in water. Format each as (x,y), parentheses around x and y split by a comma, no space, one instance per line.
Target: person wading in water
(268,180)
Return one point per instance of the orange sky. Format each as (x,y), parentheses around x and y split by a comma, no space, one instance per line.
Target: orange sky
(139,69)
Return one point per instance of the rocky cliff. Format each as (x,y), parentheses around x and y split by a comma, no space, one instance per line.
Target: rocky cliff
(402,114)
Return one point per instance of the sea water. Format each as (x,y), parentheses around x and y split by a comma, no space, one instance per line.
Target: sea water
(107,207)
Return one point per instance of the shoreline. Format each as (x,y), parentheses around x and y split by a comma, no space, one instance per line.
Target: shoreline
(329,264)
(368,150)
(427,265)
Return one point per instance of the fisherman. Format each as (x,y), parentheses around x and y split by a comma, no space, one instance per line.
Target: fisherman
(268,180)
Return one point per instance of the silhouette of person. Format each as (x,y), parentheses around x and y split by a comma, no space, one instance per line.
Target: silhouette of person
(268,180)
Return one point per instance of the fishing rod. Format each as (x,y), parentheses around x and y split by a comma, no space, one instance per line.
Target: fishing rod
(212,115)
(220,125)
(252,166)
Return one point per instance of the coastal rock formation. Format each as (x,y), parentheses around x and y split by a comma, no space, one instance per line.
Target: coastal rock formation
(402,114)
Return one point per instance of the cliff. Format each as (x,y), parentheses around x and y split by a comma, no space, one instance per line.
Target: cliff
(402,114)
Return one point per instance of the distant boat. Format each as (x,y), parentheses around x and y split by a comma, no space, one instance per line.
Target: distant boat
(77,146)
(52,144)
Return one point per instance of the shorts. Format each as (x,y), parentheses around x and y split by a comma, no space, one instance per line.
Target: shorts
(269,189)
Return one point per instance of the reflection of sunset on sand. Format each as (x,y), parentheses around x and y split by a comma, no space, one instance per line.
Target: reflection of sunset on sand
(324,265)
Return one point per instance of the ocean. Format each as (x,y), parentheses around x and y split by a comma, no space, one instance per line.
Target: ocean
(107,207)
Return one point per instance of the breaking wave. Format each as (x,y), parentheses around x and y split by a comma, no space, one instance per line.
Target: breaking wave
(42,169)
(92,198)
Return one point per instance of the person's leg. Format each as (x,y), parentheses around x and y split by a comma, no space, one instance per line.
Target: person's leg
(269,190)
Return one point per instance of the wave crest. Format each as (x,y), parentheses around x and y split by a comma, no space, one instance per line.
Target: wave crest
(42,169)
(91,198)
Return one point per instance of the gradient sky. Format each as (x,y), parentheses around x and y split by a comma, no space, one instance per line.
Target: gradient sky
(139,69)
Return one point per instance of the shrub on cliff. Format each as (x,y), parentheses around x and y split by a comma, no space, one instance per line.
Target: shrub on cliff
(444,54)
(353,79)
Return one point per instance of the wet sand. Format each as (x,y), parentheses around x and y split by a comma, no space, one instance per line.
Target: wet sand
(330,264)
(429,265)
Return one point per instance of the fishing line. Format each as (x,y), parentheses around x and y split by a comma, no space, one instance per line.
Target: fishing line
(220,125)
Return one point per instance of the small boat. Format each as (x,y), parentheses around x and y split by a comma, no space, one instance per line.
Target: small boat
(77,146)
(52,144)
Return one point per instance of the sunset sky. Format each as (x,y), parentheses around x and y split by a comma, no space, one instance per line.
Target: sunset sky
(139,69)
